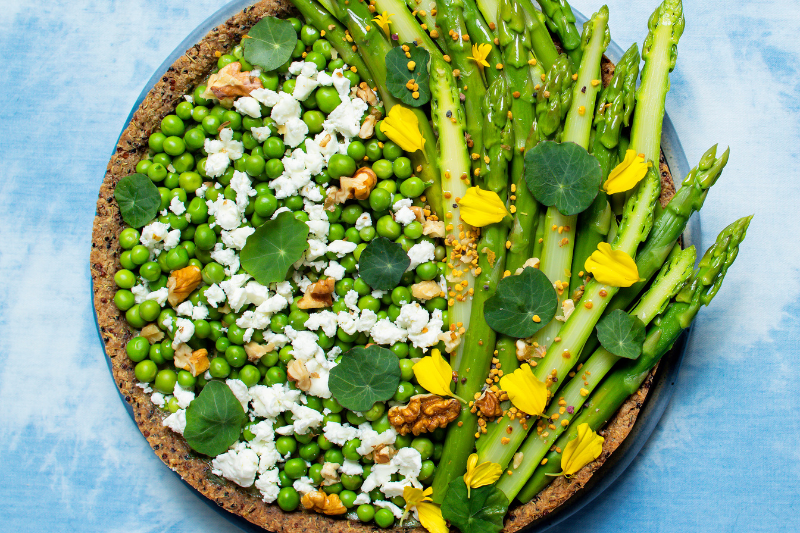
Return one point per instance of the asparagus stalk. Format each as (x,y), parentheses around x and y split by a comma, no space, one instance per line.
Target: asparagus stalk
(426,11)
(559,236)
(406,27)
(516,45)
(373,47)
(672,277)
(480,32)
(553,96)
(660,53)
(454,164)
(479,340)
(450,18)
(614,108)
(627,379)
(668,226)
(561,21)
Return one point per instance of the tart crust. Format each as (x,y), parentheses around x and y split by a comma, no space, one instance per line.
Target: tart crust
(187,72)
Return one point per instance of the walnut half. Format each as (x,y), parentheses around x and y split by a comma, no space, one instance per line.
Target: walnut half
(318,295)
(489,405)
(181,283)
(424,413)
(319,502)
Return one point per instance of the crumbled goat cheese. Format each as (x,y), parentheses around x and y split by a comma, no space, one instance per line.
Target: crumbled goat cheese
(247,105)
(239,465)
(422,252)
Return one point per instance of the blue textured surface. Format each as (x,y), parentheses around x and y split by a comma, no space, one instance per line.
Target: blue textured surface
(724,456)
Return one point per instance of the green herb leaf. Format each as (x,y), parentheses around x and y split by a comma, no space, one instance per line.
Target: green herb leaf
(621,334)
(563,175)
(518,300)
(274,247)
(214,420)
(482,512)
(397,74)
(269,44)
(138,199)
(382,264)
(363,377)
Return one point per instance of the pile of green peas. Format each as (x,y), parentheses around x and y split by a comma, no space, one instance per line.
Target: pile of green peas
(176,164)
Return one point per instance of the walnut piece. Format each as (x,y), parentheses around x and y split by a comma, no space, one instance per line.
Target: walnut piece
(418,212)
(358,187)
(255,351)
(489,405)
(425,290)
(424,413)
(368,95)
(195,362)
(296,371)
(367,128)
(181,283)
(319,502)
(318,295)
(524,350)
(152,333)
(451,340)
(567,308)
(230,82)
(330,473)
(532,262)
(383,454)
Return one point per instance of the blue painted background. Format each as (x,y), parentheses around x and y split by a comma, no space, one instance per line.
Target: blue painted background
(725,456)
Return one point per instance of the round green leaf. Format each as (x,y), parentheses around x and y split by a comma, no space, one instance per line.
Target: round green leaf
(138,199)
(621,334)
(518,300)
(270,43)
(274,247)
(397,74)
(382,264)
(214,420)
(364,376)
(481,512)
(564,175)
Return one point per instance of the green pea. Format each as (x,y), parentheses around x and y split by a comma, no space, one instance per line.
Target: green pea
(380,199)
(413,231)
(273,168)
(172,125)
(309,34)
(400,349)
(356,150)
(387,227)
(373,149)
(369,302)
(354,419)
(125,279)
(391,151)
(424,446)
(149,310)
(328,99)
(235,356)
(165,381)
(275,375)
(288,499)
(145,371)
(360,248)
(124,299)
(316,58)
(333,64)
(274,148)
(177,258)
(384,518)
(365,512)
(375,412)
(186,380)
(310,451)
(402,168)
(427,271)
(351,213)
(233,119)
(286,445)
(219,368)
(341,165)
(412,187)
(315,473)
(379,133)
(400,296)
(295,468)
(406,369)
(137,349)
(314,120)
(382,168)
(352,77)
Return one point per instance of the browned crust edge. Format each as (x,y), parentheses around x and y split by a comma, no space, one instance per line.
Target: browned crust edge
(188,71)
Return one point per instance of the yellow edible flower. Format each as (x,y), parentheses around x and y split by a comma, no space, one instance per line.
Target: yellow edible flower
(479,54)
(612,267)
(480,208)
(581,450)
(525,391)
(402,127)
(383,21)
(627,174)
(482,474)
(429,514)
(434,374)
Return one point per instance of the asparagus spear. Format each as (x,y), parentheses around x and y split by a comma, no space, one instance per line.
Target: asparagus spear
(614,108)
(480,32)
(554,96)
(516,45)
(561,21)
(373,47)
(627,379)
(672,277)
(450,17)
(668,226)
(660,53)
(426,11)
(406,26)
(559,237)
(479,340)
(454,163)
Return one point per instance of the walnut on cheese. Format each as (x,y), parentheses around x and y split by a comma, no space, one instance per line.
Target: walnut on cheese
(230,82)
(181,283)
(424,413)
(195,362)
(318,295)
(358,187)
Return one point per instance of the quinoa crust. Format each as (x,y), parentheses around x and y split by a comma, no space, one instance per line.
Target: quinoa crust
(186,73)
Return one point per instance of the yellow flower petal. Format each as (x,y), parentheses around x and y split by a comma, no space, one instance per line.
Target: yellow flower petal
(627,174)
(482,474)
(430,516)
(480,208)
(581,451)
(383,21)
(402,127)
(612,267)
(414,496)
(525,391)
(434,374)
(479,54)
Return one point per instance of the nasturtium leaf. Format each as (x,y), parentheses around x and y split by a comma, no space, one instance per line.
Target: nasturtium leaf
(364,376)
(564,175)
(382,264)
(519,300)
(269,44)
(138,199)
(398,75)
(214,420)
(621,334)
(481,512)
(274,247)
